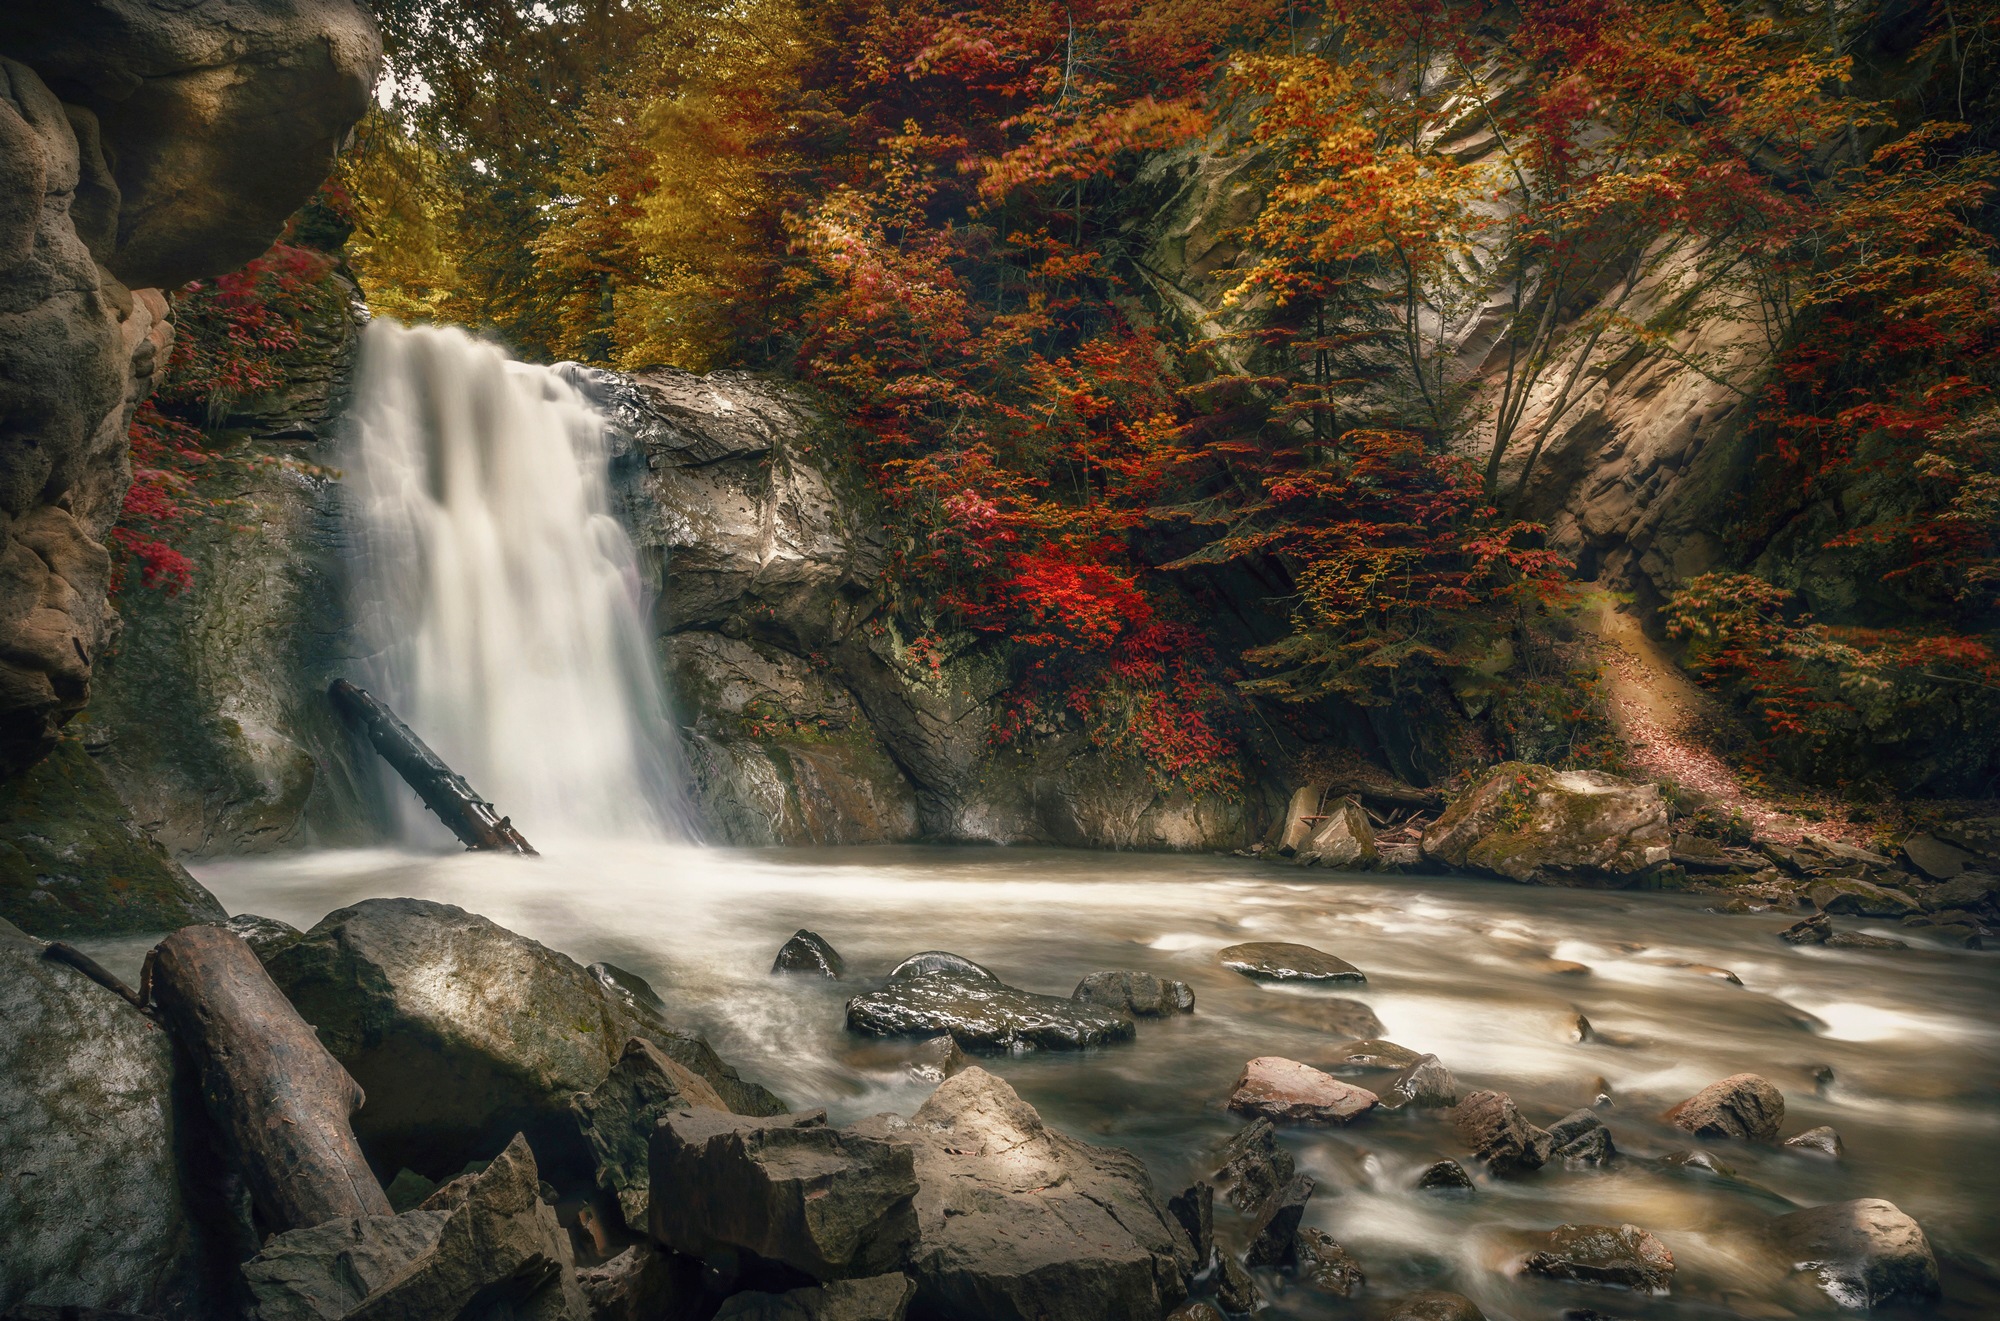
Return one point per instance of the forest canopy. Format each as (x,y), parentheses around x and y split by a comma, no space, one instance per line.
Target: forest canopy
(1467,216)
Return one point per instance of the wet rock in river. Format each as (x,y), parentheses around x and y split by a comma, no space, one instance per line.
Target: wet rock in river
(877,1298)
(935,961)
(1235,1290)
(618,1117)
(808,952)
(1625,1256)
(1277,1088)
(1194,1209)
(1139,993)
(1445,1176)
(1372,1056)
(264,935)
(1435,1305)
(1324,1265)
(1862,940)
(1581,1139)
(405,992)
(1808,931)
(1425,1083)
(938,1059)
(1742,1106)
(1015,1219)
(1821,1141)
(983,1013)
(1863,1253)
(831,1202)
(1199,1310)
(1277,1223)
(1491,1125)
(1278,961)
(1861,899)
(1254,1166)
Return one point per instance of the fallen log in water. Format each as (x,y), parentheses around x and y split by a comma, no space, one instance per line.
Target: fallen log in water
(443,790)
(282,1102)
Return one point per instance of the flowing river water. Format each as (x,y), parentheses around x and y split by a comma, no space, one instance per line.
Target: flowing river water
(1472,971)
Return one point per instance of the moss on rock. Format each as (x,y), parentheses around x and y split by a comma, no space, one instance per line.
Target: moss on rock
(72,863)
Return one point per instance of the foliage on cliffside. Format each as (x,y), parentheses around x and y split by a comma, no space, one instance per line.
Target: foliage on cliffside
(917,206)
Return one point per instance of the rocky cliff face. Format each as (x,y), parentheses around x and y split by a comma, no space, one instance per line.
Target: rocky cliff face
(141,146)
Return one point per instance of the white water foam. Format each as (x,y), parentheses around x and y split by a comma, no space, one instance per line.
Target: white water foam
(499,594)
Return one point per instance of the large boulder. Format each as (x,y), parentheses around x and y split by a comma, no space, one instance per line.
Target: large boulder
(72,863)
(617,1119)
(832,1203)
(96,1208)
(462,1032)
(1017,1222)
(1863,1254)
(1741,1106)
(981,1013)
(184,135)
(1533,824)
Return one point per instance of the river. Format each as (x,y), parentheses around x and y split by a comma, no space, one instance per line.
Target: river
(1476,972)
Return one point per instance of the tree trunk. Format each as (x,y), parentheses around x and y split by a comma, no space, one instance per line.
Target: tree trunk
(281,1101)
(443,790)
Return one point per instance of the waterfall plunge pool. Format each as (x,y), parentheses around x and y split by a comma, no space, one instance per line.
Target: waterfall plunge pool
(1461,968)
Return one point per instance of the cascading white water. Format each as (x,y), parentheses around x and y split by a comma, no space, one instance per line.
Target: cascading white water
(500,595)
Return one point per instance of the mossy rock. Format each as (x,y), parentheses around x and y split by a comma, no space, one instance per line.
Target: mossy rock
(72,863)
(1539,825)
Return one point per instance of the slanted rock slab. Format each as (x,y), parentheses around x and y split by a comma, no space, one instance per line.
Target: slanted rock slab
(1277,1088)
(1863,1254)
(1424,1083)
(1821,1141)
(1016,1220)
(618,1117)
(1861,899)
(1324,1265)
(327,1270)
(1277,1224)
(1279,961)
(833,1203)
(643,1283)
(1254,1167)
(1741,1106)
(406,992)
(1344,839)
(1623,1255)
(1374,1056)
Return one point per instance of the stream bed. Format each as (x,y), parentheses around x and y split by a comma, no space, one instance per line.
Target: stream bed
(1897,1049)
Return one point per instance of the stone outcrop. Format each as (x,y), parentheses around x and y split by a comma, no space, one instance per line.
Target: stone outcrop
(73,863)
(101,1204)
(1534,824)
(141,146)
(617,1119)
(405,992)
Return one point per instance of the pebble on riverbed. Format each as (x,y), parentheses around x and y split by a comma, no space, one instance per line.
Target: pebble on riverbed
(1277,1088)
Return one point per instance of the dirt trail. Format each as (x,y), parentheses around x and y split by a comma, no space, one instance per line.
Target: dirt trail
(1674,729)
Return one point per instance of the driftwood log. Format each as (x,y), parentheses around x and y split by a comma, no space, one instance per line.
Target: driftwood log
(282,1102)
(443,790)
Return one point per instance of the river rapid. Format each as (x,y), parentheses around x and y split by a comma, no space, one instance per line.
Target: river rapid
(1473,971)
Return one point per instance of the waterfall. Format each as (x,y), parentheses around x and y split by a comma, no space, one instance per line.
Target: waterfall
(499,596)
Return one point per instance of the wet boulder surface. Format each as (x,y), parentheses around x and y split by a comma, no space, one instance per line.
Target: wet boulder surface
(463,1033)
(102,1197)
(617,1119)
(1623,1256)
(940,993)
(1862,1254)
(1743,1106)
(1016,1220)
(1281,961)
(1137,993)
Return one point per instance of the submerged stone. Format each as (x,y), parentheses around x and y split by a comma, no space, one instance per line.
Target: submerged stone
(1324,1265)
(1625,1256)
(982,1013)
(1139,993)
